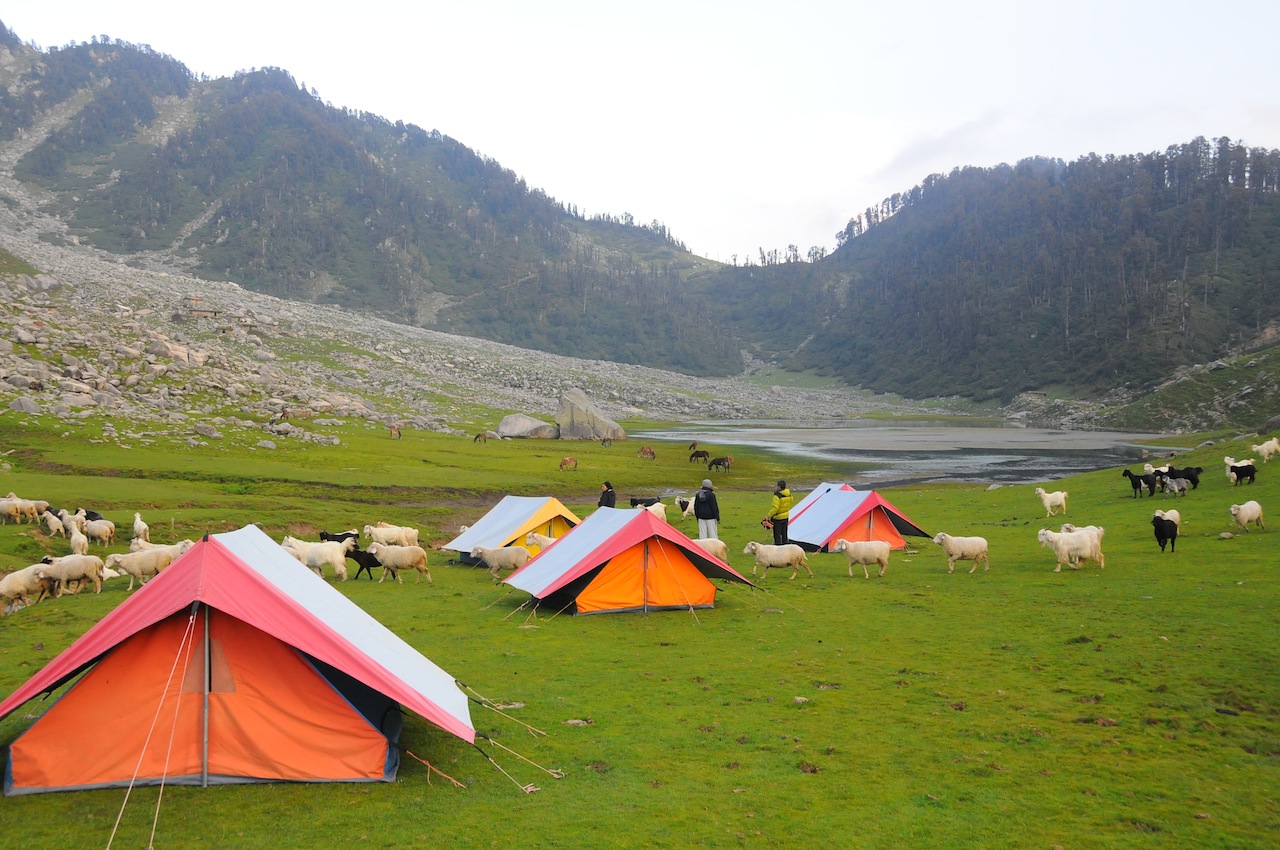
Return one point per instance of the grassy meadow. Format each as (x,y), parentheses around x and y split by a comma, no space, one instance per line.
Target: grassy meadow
(1135,706)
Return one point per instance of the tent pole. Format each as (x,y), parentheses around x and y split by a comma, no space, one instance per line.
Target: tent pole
(644,578)
(208,658)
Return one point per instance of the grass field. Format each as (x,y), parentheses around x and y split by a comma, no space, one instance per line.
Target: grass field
(1135,706)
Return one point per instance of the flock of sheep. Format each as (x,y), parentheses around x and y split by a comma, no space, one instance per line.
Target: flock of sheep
(395,548)
(392,548)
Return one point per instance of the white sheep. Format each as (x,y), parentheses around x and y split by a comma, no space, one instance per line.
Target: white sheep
(1231,463)
(26,509)
(714,547)
(1170,515)
(326,553)
(392,535)
(141,531)
(73,568)
(53,524)
(1249,512)
(76,538)
(76,519)
(658,509)
(542,541)
(397,558)
(768,555)
(1071,547)
(146,563)
(100,531)
(9,510)
(499,558)
(20,584)
(963,549)
(137,544)
(1055,502)
(864,552)
(1267,448)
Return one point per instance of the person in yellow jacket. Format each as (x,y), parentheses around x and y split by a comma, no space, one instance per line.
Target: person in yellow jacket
(780,512)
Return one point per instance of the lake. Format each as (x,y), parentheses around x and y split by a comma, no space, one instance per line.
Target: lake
(897,452)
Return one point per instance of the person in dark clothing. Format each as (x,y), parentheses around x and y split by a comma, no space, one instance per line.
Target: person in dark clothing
(608,498)
(707,511)
(780,513)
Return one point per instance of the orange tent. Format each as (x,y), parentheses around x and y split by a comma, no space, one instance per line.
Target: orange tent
(236,664)
(624,560)
(833,511)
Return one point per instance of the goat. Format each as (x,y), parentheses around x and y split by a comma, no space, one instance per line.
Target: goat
(1147,480)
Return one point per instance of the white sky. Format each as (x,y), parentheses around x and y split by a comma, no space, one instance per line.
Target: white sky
(740,124)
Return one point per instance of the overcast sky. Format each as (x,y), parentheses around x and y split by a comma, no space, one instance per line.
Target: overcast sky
(740,124)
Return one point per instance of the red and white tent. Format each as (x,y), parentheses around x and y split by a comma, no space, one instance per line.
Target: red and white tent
(833,511)
(235,664)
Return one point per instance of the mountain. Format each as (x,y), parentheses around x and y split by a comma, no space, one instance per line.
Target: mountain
(1076,278)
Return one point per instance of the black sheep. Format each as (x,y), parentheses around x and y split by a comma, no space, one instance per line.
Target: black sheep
(1244,470)
(365,562)
(1166,532)
(1191,473)
(341,536)
(644,501)
(1140,481)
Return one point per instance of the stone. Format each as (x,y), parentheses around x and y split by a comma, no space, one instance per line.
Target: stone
(580,419)
(25,405)
(522,425)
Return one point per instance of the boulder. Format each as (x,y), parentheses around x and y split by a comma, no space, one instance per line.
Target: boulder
(520,425)
(580,419)
(25,405)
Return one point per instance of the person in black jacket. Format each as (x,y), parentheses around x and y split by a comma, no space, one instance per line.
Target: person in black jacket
(608,498)
(707,510)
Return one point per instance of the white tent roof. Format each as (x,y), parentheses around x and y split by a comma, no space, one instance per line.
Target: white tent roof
(501,523)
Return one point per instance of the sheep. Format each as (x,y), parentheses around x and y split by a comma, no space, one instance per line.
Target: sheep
(963,549)
(54,524)
(864,552)
(1267,448)
(1241,471)
(68,520)
(100,531)
(542,541)
(141,531)
(1191,473)
(365,562)
(569,463)
(69,568)
(713,546)
(1170,515)
(1166,531)
(316,556)
(339,536)
(1249,512)
(144,564)
(17,586)
(1232,463)
(1174,486)
(498,558)
(1138,482)
(641,501)
(658,509)
(392,535)
(397,558)
(23,510)
(768,555)
(685,506)
(1054,502)
(9,510)
(1071,547)
(79,542)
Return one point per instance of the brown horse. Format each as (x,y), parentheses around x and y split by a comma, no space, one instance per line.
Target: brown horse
(482,437)
(570,463)
(395,432)
(700,454)
(647,453)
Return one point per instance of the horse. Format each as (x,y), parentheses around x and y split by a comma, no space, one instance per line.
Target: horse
(481,437)
(395,432)
(722,462)
(570,463)
(647,453)
(700,455)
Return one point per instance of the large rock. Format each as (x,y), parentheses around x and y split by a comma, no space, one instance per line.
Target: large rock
(580,419)
(25,405)
(520,425)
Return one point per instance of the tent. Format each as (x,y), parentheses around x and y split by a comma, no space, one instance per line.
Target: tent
(510,521)
(623,560)
(832,511)
(236,664)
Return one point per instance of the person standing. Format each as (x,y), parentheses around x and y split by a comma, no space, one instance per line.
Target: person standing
(608,498)
(780,512)
(707,511)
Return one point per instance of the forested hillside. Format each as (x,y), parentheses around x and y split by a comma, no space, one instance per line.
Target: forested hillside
(1075,277)
(986,282)
(255,180)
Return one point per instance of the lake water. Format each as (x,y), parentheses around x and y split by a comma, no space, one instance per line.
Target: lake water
(889,453)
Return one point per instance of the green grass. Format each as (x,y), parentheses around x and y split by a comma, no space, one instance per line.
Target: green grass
(1011,708)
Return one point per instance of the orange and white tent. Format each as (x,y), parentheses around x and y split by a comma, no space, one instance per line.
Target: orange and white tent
(623,560)
(833,511)
(236,664)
